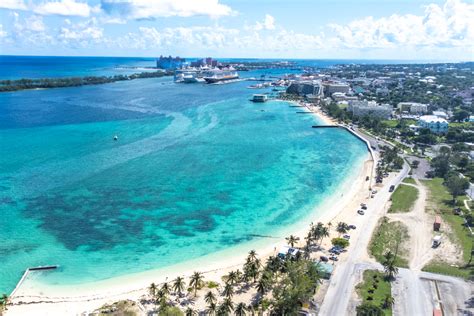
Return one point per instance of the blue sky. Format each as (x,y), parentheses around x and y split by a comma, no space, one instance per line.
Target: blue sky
(390,29)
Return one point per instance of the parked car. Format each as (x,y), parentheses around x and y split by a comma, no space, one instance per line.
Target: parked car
(391,189)
(374,191)
(346,237)
(323,258)
(360,212)
(364,207)
(333,258)
(363,204)
(352,226)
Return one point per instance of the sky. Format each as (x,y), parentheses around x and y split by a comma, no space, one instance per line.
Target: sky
(312,29)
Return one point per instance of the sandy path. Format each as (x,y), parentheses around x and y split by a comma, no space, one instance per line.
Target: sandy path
(420,228)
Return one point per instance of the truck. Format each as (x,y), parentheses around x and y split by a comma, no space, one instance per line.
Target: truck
(436,241)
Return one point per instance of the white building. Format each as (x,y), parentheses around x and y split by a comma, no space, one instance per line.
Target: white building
(369,108)
(434,123)
(440,114)
(413,107)
(330,88)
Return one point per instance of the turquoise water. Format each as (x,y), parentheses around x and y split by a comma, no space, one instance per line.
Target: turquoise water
(196,169)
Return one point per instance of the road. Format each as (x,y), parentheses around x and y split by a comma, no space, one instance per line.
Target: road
(343,280)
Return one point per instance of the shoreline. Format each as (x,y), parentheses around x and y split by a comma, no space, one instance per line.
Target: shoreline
(89,296)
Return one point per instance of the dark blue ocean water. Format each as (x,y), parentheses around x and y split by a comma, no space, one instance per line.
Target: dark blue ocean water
(17,67)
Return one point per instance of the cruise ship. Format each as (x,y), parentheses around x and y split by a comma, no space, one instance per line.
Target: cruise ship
(218,75)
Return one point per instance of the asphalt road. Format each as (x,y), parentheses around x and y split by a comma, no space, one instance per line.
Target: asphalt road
(342,282)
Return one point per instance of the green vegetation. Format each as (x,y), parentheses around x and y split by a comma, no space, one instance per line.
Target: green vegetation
(341,242)
(443,268)
(387,237)
(403,199)
(409,180)
(120,308)
(442,204)
(375,291)
(45,83)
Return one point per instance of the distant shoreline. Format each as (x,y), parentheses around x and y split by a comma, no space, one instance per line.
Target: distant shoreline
(51,83)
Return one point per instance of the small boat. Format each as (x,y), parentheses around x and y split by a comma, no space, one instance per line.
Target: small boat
(115,137)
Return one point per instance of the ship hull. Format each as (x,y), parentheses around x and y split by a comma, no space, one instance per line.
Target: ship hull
(215,80)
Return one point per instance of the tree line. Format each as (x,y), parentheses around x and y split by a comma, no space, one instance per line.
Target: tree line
(46,83)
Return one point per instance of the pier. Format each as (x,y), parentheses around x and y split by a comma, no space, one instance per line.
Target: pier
(325,126)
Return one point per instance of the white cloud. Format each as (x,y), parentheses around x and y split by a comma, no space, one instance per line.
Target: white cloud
(13,4)
(446,26)
(33,23)
(267,24)
(146,9)
(2,32)
(64,8)
(81,34)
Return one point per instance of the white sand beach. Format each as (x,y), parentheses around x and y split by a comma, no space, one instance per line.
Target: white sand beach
(33,299)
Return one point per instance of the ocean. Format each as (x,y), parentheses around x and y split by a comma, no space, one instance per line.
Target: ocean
(196,169)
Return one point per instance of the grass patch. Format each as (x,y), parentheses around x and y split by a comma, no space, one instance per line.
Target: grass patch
(403,199)
(441,203)
(409,180)
(374,286)
(386,237)
(444,268)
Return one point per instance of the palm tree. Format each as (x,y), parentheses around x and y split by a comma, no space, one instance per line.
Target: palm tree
(211,308)
(309,239)
(342,228)
(252,271)
(152,289)
(388,301)
(210,298)
(228,290)
(4,301)
(231,277)
(165,288)
(238,275)
(241,309)
(262,286)
(161,298)
(292,240)
(226,307)
(196,281)
(324,233)
(179,285)
(252,255)
(190,312)
(389,265)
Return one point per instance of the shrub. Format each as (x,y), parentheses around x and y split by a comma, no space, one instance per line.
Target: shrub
(341,242)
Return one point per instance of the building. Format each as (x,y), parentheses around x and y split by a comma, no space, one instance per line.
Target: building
(361,108)
(205,62)
(303,88)
(331,87)
(435,124)
(441,114)
(170,62)
(413,107)
(339,96)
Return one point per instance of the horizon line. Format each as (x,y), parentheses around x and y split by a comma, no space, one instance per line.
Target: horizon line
(257,58)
